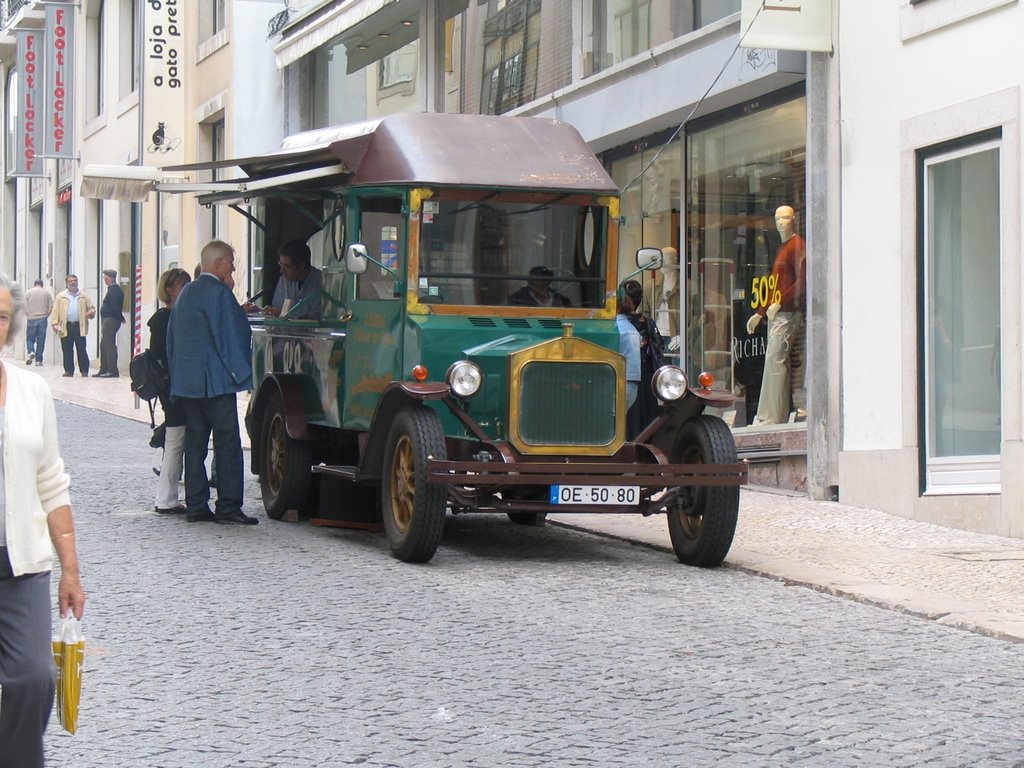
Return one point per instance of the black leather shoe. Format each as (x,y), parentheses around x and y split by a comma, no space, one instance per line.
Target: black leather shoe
(205,516)
(68,375)
(238,517)
(170,510)
(100,375)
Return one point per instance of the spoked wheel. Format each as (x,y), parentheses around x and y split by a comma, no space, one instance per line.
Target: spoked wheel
(413,509)
(284,464)
(702,522)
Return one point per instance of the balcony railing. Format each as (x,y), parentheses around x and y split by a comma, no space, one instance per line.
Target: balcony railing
(8,8)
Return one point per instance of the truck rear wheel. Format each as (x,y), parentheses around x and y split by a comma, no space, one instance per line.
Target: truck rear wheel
(285,464)
(413,509)
(702,522)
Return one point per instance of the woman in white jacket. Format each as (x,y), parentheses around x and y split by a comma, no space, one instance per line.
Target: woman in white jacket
(36,520)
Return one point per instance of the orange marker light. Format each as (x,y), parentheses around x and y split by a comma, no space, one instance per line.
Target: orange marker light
(706,380)
(420,373)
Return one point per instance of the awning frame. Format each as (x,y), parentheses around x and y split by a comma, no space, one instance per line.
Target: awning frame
(130,185)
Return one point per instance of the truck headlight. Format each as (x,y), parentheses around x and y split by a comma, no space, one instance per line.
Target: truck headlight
(669,383)
(464,378)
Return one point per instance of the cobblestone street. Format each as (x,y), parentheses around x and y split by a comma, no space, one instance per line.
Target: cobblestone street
(291,645)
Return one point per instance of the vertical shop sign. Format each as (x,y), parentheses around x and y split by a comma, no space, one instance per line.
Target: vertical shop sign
(60,58)
(28,126)
(163,89)
(787,25)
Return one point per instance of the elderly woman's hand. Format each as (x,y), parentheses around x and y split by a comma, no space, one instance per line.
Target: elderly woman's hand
(71,595)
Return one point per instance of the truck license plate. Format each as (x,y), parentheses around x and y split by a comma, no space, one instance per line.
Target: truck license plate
(595,494)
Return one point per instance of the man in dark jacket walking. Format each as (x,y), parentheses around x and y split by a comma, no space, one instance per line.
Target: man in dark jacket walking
(208,347)
(111,318)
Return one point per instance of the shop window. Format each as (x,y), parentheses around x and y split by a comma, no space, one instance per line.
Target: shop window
(650,184)
(743,258)
(960,317)
(511,56)
(337,96)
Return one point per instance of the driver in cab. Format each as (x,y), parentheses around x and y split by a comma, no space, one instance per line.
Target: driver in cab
(538,292)
(299,280)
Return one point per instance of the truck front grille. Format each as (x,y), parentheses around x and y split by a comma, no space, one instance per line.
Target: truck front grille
(567,403)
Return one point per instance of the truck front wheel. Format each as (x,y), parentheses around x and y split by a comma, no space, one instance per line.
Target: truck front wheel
(285,464)
(702,522)
(413,509)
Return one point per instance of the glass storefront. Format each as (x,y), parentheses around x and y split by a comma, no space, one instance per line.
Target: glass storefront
(744,257)
(738,248)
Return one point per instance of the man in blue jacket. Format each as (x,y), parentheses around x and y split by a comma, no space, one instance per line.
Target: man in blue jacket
(208,348)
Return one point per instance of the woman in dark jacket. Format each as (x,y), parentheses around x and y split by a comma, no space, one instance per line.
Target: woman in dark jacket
(652,357)
(167,290)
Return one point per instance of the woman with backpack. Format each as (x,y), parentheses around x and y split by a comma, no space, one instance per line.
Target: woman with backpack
(652,357)
(167,290)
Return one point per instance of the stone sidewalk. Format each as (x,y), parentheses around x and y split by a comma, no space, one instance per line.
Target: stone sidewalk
(967,580)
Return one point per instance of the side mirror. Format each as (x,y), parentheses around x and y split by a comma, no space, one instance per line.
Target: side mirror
(649,258)
(356,259)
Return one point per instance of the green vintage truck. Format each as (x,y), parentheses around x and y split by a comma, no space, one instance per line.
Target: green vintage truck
(432,383)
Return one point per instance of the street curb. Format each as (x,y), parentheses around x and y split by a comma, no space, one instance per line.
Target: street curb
(939,616)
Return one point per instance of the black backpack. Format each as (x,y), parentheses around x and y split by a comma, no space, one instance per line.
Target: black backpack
(149,378)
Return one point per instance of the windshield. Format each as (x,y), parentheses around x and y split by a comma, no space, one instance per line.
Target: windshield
(544,251)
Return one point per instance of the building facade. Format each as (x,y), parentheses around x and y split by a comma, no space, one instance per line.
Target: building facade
(903,365)
(217,97)
(931,277)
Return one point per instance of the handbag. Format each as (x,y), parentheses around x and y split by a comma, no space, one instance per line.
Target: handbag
(69,656)
(156,440)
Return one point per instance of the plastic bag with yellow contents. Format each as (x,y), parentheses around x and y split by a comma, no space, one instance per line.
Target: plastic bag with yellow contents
(69,655)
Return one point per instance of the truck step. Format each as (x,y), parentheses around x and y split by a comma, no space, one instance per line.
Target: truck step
(343,471)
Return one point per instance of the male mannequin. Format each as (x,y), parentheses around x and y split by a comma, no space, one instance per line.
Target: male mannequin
(667,313)
(785,316)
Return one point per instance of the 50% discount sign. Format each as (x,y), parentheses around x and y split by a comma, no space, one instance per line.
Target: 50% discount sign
(764,291)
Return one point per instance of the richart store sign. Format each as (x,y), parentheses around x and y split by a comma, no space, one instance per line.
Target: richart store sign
(163,93)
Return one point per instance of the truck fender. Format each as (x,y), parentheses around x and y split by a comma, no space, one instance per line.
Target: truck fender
(289,387)
(395,396)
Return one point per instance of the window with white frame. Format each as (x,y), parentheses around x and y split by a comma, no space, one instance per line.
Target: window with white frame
(12,116)
(622,29)
(128,67)
(960,262)
(212,18)
(94,61)
(398,67)
(218,151)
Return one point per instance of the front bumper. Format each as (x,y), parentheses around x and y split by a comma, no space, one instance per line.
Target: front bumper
(522,486)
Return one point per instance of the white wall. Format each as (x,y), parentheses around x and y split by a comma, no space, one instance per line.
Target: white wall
(256,83)
(886,83)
